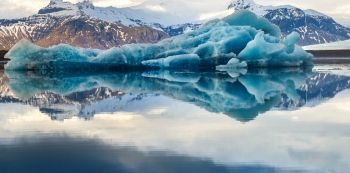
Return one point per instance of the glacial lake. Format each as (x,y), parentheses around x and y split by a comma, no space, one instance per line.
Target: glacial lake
(256,120)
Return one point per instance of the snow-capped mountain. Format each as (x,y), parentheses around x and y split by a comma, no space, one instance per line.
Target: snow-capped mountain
(60,8)
(64,22)
(314,27)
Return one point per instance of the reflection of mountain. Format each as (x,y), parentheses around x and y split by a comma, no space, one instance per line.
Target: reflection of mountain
(63,96)
(318,88)
(61,107)
(84,104)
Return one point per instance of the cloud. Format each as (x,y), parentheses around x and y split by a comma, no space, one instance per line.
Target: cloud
(11,9)
(19,8)
(323,6)
(107,3)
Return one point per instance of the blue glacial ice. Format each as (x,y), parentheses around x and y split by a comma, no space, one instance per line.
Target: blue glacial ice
(243,36)
(234,63)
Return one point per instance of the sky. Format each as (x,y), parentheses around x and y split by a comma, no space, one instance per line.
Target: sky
(338,9)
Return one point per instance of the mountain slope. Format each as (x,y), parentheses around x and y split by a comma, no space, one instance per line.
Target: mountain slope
(32,28)
(63,22)
(94,33)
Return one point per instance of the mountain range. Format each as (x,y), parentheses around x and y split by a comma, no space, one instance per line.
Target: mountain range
(86,25)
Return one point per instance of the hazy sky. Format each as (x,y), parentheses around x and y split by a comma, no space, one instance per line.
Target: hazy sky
(338,9)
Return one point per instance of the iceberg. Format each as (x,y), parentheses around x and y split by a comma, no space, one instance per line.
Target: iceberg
(241,36)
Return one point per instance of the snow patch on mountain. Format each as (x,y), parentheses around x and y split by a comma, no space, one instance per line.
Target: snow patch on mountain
(312,12)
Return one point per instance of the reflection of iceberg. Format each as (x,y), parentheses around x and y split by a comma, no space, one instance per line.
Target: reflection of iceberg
(213,44)
(248,114)
(216,92)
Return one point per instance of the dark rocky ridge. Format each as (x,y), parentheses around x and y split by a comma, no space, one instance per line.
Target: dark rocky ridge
(2,54)
(46,11)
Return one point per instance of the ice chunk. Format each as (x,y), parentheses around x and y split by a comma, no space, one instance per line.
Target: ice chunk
(234,73)
(262,87)
(253,39)
(290,41)
(263,51)
(177,61)
(259,48)
(173,76)
(232,64)
(245,17)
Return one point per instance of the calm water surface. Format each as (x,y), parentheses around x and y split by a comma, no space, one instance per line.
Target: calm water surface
(277,120)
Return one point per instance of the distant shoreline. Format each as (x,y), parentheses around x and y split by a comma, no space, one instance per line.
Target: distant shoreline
(331,56)
(330,53)
(321,56)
